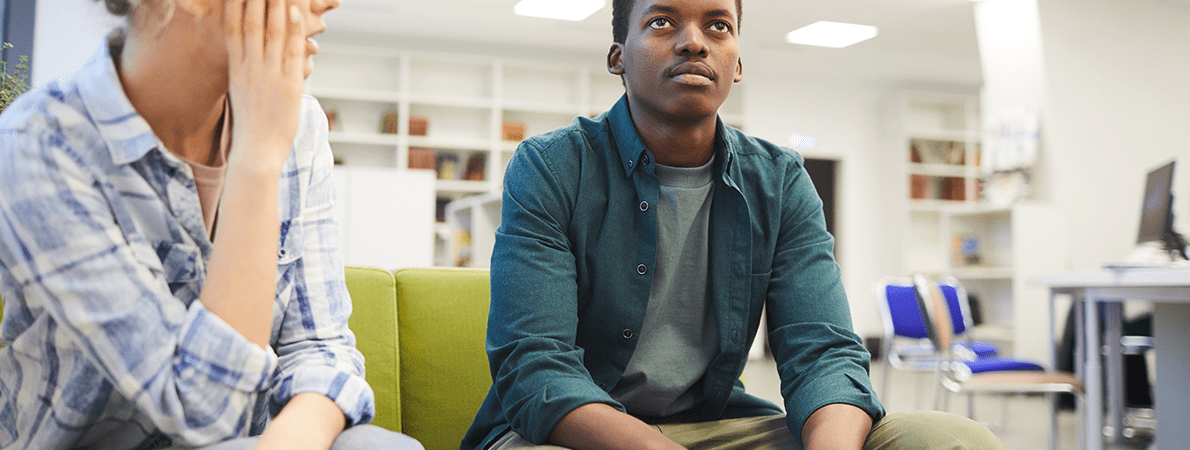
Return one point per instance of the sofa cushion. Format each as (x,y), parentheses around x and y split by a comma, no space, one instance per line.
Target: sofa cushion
(374,322)
(443,317)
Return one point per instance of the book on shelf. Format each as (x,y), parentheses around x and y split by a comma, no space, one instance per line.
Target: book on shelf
(389,124)
(421,158)
(513,131)
(448,166)
(331,116)
(419,125)
(475,166)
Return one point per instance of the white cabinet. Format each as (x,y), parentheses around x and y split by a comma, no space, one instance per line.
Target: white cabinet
(445,113)
(385,215)
(939,148)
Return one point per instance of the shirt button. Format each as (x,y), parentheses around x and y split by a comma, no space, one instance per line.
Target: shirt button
(644,206)
(630,164)
(627,334)
(641,269)
(602,386)
(281,253)
(644,160)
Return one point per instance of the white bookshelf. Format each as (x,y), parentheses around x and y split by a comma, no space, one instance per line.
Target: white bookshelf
(466,99)
(939,142)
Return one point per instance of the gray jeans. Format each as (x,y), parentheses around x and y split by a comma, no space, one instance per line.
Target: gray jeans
(360,437)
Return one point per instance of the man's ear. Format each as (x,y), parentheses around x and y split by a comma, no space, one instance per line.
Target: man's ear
(615,59)
(739,70)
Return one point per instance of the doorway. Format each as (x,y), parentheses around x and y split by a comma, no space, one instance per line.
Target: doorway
(823,173)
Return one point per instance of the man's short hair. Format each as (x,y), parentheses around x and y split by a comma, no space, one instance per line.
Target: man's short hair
(621,9)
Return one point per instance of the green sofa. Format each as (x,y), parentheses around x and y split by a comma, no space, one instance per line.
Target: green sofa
(422,335)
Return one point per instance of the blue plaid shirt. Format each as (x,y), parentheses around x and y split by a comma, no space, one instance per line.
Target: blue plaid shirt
(103,253)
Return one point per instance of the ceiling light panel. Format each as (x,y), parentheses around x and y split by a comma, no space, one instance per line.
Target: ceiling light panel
(574,10)
(831,34)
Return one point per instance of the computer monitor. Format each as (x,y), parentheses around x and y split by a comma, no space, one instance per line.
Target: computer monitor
(1156,218)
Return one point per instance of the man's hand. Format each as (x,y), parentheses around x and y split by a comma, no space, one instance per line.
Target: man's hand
(836,426)
(309,421)
(599,426)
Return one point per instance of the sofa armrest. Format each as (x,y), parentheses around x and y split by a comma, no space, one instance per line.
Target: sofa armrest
(374,322)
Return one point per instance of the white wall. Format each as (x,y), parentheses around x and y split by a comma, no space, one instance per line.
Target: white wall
(846,117)
(1118,106)
(67,32)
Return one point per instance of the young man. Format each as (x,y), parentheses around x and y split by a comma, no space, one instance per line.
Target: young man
(635,254)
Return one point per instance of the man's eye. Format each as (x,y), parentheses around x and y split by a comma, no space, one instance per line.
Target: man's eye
(722,27)
(659,23)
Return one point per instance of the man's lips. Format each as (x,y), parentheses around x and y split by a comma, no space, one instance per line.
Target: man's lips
(692,73)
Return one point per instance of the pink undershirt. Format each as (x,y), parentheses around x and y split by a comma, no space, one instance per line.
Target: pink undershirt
(209,180)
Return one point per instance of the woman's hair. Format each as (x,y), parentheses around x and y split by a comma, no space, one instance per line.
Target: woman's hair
(621,9)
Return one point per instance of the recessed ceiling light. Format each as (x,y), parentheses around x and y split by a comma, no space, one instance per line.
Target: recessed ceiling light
(574,10)
(831,34)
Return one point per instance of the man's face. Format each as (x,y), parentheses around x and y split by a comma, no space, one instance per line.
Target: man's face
(680,57)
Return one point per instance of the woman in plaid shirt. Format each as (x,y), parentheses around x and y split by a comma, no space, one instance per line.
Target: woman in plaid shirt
(168,256)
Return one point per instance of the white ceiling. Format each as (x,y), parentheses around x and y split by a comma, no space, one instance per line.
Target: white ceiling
(919,41)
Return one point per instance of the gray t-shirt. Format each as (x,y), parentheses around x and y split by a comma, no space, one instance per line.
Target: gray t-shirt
(679,337)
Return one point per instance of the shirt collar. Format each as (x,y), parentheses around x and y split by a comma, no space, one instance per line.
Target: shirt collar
(632,149)
(127,134)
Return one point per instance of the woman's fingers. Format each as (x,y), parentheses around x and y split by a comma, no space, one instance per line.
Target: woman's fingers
(254,28)
(275,26)
(295,58)
(233,20)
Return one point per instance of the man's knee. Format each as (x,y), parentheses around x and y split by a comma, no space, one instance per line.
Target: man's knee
(933,430)
(367,437)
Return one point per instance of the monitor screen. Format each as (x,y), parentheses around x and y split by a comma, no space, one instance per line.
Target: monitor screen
(1156,215)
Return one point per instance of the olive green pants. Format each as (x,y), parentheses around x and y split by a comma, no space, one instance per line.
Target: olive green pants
(919,430)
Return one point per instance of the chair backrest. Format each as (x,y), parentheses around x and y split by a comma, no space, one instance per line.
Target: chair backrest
(956,299)
(897,301)
(374,322)
(937,314)
(443,316)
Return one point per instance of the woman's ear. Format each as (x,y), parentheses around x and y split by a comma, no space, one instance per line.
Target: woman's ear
(615,59)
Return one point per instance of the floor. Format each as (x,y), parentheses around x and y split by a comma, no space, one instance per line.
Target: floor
(1026,428)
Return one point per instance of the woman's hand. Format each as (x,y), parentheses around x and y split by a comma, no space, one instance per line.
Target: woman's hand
(266,44)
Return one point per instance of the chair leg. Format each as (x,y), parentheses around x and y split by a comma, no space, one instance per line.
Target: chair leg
(884,393)
(1052,399)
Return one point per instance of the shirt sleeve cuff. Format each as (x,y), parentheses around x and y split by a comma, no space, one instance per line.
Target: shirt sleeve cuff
(351,392)
(211,348)
(840,388)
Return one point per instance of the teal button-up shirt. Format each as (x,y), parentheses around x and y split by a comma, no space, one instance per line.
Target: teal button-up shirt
(573,264)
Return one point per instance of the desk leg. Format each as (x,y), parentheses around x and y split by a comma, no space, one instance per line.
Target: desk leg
(1078,305)
(1092,374)
(1113,320)
(1172,348)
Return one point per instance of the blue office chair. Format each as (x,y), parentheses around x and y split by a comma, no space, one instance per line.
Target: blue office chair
(960,316)
(906,345)
(990,375)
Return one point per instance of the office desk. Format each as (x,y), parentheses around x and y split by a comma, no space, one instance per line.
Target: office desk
(1169,290)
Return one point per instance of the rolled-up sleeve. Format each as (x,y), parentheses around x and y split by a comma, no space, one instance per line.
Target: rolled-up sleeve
(108,299)
(819,358)
(315,346)
(537,370)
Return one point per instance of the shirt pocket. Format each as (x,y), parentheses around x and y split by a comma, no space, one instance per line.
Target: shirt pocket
(181,265)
